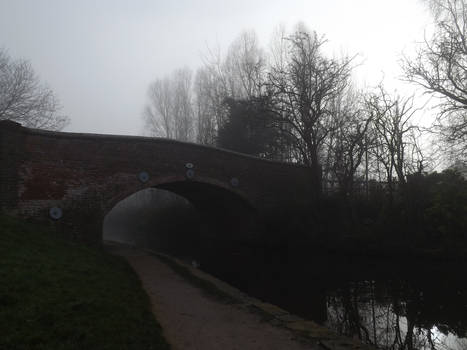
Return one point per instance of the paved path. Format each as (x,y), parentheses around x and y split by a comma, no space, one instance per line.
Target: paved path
(193,320)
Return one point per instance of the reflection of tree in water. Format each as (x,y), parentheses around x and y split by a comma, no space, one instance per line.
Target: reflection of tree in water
(399,316)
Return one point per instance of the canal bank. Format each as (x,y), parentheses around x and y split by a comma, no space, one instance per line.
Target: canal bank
(199,311)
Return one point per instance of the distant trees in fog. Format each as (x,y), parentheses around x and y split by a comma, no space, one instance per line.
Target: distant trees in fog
(187,109)
(24,99)
(169,112)
(364,148)
(294,103)
(251,128)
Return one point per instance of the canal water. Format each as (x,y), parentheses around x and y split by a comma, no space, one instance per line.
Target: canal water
(391,303)
(397,304)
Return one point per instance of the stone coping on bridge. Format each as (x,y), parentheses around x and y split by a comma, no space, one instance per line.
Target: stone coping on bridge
(77,135)
(306,329)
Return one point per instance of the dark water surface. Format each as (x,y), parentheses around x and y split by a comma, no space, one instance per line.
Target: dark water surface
(397,304)
(394,304)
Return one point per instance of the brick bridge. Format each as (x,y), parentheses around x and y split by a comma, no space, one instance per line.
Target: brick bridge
(73,180)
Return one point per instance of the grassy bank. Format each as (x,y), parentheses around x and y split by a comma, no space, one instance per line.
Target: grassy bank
(58,295)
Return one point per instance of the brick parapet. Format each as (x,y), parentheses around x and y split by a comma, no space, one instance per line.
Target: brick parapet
(86,174)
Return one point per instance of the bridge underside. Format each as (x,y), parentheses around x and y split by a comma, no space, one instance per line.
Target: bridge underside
(162,220)
(216,205)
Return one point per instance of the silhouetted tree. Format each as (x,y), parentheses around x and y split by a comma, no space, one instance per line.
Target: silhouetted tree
(251,129)
(24,99)
(303,84)
(238,75)
(349,141)
(395,145)
(446,214)
(440,67)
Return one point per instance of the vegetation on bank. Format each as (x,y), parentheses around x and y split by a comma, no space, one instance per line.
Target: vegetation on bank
(426,217)
(56,294)
(370,154)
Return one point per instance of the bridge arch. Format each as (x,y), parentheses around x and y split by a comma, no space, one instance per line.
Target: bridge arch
(180,217)
(219,205)
(180,185)
(86,174)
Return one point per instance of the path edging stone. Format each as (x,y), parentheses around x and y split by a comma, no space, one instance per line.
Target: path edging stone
(275,315)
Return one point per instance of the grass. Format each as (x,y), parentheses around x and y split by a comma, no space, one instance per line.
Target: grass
(55,294)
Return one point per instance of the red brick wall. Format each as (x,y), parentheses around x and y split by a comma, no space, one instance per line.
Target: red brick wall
(87,174)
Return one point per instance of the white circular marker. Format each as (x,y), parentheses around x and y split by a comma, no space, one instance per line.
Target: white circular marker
(143,176)
(55,213)
(234,182)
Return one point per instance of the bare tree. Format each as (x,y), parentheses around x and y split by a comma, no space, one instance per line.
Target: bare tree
(169,112)
(349,141)
(183,105)
(24,99)
(303,84)
(244,67)
(440,67)
(158,113)
(237,75)
(209,108)
(396,145)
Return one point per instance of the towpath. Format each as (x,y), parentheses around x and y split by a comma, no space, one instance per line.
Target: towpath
(193,320)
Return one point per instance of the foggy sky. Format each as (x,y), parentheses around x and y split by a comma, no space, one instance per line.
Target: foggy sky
(99,56)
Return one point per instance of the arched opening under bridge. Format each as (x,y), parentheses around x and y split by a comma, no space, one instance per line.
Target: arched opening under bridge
(184,218)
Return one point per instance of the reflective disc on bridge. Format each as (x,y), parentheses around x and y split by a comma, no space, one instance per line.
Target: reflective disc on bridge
(55,213)
(143,176)
(234,182)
